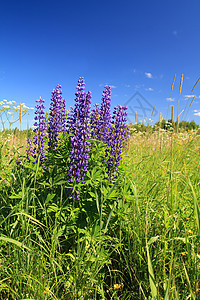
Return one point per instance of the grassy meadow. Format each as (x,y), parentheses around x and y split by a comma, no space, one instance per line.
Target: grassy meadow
(135,239)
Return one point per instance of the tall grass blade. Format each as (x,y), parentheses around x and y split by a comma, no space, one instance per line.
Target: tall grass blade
(173,83)
(181,84)
(195,85)
(196,208)
(12,241)
(188,280)
(152,281)
(192,101)
(110,214)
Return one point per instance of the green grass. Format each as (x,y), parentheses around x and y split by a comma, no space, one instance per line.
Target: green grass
(136,240)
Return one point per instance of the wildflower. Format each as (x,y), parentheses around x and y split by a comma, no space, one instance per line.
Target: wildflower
(6,106)
(80,133)
(18,161)
(117,286)
(190,231)
(30,149)
(47,290)
(117,135)
(40,130)
(105,116)
(95,121)
(57,117)
(198,256)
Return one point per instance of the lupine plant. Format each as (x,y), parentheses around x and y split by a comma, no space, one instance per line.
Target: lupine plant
(80,134)
(95,120)
(131,237)
(105,115)
(81,127)
(37,151)
(117,134)
(57,118)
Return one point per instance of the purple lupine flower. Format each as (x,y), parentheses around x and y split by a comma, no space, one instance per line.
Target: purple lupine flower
(57,117)
(95,121)
(29,149)
(40,131)
(63,115)
(70,119)
(105,116)
(117,135)
(80,133)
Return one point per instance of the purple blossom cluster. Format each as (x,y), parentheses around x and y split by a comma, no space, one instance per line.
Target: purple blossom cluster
(105,115)
(29,148)
(116,136)
(80,126)
(57,120)
(35,148)
(95,121)
(79,136)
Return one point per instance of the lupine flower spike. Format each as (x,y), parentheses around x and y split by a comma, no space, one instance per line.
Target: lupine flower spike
(40,131)
(80,133)
(117,135)
(105,116)
(57,117)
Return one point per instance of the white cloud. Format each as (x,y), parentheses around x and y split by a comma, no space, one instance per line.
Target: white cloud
(189,96)
(138,86)
(195,110)
(175,32)
(113,86)
(148,75)
(170,99)
(127,85)
(197,113)
(149,89)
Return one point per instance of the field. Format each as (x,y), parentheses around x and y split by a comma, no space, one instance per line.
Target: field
(137,238)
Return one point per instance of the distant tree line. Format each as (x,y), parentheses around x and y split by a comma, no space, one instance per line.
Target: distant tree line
(164,124)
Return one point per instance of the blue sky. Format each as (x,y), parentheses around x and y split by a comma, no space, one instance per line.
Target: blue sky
(135,46)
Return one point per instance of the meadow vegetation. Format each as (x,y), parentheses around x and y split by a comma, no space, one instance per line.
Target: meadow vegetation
(129,233)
